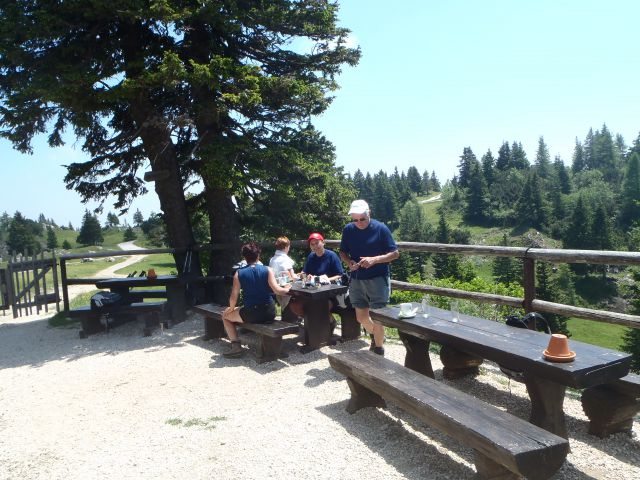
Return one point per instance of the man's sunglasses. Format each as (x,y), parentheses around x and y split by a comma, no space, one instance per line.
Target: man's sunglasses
(359,220)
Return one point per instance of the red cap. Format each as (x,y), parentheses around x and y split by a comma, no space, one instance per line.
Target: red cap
(315,236)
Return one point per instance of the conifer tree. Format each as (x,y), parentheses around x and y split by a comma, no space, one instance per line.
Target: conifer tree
(90,231)
(504,269)
(504,157)
(630,198)
(531,208)
(20,238)
(477,196)
(579,163)
(426,184)
(488,163)
(519,158)
(138,219)
(543,159)
(414,180)
(445,265)
(52,240)
(467,159)
(435,183)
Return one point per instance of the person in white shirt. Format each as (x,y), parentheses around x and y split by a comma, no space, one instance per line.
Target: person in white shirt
(282,265)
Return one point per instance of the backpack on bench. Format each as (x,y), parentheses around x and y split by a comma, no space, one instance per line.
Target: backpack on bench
(106,301)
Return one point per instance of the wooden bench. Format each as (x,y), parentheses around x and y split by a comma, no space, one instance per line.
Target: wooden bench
(91,320)
(612,407)
(269,334)
(140,295)
(505,446)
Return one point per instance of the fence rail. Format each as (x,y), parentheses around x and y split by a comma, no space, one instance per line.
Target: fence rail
(528,256)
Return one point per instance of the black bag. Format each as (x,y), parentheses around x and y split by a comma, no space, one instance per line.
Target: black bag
(530,319)
(105,301)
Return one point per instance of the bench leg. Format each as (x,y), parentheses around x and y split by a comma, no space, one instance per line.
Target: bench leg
(362,397)
(151,320)
(350,327)
(213,328)
(91,324)
(609,411)
(490,470)
(268,348)
(546,404)
(417,356)
(458,364)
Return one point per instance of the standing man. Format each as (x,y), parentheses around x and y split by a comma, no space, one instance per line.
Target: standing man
(367,247)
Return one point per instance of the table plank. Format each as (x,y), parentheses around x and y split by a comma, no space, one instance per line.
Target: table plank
(520,349)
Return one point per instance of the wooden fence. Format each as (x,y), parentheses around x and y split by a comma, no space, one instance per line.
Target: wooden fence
(24,285)
(529,257)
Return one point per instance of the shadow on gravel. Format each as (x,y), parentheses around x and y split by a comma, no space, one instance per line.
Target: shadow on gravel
(34,343)
(415,449)
(385,434)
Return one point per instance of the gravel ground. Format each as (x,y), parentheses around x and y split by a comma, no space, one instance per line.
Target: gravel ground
(123,406)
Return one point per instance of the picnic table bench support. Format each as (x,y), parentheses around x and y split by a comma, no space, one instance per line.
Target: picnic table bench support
(417,356)
(457,363)
(349,325)
(547,398)
(612,407)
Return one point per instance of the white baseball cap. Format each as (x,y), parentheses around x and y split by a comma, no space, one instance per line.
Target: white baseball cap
(359,207)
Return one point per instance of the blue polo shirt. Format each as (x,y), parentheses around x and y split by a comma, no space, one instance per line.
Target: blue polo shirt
(328,264)
(374,240)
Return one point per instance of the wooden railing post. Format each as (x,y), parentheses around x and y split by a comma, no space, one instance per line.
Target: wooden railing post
(529,273)
(63,281)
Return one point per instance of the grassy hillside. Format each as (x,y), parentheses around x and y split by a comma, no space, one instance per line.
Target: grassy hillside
(592,291)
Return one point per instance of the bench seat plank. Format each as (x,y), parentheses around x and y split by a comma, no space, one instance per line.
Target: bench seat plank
(270,334)
(497,437)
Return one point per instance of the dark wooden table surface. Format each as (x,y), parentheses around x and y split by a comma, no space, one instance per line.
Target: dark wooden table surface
(519,349)
(316,312)
(174,285)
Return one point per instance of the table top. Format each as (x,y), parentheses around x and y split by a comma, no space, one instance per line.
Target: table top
(318,293)
(515,348)
(138,281)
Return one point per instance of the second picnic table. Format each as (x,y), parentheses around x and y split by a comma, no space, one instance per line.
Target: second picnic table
(471,339)
(174,286)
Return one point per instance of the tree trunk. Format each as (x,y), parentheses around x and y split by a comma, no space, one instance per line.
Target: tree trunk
(155,133)
(224,229)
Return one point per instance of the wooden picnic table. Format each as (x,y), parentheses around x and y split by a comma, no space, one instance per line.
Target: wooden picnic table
(471,339)
(316,312)
(175,289)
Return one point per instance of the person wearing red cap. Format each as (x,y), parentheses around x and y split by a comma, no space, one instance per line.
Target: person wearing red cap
(368,248)
(322,262)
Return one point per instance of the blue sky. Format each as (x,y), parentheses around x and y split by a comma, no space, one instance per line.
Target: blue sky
(435,77)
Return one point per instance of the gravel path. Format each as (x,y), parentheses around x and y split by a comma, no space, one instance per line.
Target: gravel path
(120,405)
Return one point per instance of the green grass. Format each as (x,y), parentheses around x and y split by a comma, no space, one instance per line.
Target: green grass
(163,264)
(596,333)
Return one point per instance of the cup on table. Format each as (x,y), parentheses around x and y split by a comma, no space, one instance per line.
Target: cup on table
(455,311)
(406,309)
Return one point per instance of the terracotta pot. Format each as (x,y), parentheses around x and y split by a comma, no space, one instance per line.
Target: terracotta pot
(151,273)
(558,346)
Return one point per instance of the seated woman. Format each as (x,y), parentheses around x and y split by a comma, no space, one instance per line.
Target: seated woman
(257,283)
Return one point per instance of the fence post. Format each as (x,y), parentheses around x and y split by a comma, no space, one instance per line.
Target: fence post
(63,280)
(529,272)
